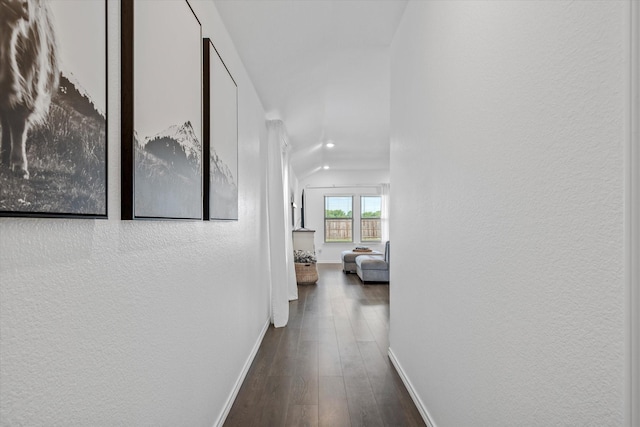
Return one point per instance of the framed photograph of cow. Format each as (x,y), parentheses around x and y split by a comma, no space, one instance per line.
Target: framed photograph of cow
(161,110)
(53,108)
(220,138)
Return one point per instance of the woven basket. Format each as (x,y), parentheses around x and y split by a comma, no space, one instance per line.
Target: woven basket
(306,274)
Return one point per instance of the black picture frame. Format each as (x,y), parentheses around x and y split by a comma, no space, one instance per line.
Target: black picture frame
(161,105)
(220,133)
(64,173)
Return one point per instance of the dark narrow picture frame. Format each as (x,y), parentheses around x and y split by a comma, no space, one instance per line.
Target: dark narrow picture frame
(220,137)
(161,173)
(65,170)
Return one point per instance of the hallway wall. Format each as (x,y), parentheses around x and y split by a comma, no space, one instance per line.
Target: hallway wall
(107,323)
(507,152)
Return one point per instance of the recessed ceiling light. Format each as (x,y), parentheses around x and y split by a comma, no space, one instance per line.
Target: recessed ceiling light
(325,167)
(330,145)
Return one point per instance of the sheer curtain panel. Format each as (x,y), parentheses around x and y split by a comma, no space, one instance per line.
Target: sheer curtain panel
(385,190)
(283,278)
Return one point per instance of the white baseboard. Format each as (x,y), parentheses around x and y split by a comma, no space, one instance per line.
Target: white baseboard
(414,395)
(243,374)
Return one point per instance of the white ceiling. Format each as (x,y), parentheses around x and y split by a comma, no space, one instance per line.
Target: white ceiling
(321,66)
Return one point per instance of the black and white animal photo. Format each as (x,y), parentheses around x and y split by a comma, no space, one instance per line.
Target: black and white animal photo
(53,107)
(29,75)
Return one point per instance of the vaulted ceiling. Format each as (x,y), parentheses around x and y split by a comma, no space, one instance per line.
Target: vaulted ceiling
(322,67)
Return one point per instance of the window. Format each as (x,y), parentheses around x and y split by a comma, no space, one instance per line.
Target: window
(370,223)
(338,219)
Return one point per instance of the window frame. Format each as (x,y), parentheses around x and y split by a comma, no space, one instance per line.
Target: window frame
(379,218)
(324,214)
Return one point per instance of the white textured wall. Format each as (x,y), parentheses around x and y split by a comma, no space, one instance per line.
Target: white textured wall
(507,163)
(110,323)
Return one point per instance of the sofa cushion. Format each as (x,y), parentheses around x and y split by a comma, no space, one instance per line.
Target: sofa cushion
(369,262)
(350,256)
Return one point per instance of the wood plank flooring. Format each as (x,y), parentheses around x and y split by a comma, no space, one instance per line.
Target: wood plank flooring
(329,366)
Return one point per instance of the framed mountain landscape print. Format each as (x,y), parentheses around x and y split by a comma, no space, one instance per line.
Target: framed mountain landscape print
(161,110)
(53,108)
(220,138)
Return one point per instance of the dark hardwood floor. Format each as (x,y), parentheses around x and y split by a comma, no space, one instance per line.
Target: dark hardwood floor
(329,366)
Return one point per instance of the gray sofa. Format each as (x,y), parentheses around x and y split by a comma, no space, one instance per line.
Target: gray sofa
(349,259)
(373,268)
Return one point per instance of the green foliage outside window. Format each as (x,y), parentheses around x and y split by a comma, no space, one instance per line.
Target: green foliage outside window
(337,213)
(371,214)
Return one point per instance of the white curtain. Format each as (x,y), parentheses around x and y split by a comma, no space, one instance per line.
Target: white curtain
(385,190)
(283,277)
(287,188)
